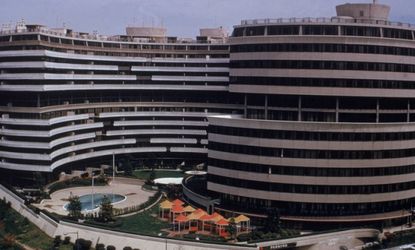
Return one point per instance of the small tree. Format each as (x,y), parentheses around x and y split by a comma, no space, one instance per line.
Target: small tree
(128,168)
(173,191)
(232,228)
(39,179)
(151,177)
(273,224)
(106,210)
(74,207)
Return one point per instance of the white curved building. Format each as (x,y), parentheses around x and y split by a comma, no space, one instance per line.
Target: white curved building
(71,100)
(328,130)
(319,112)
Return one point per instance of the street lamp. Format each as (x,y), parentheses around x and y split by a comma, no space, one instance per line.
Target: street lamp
(113,174)
(93,202)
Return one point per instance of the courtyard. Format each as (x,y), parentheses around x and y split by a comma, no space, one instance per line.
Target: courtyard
(132,190)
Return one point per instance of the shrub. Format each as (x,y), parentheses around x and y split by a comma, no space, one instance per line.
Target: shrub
(57,241)
(100,246)
(66,240)
(110,247)
(244,237)
(82,244)
(127,248)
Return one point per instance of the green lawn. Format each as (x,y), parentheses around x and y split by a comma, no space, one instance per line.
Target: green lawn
(144,174)
(35,238)
(24,231)
(144,223)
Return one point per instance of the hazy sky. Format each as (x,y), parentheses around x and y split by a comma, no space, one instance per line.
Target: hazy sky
(181,17)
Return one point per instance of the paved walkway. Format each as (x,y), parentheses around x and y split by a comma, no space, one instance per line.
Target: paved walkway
(131,188)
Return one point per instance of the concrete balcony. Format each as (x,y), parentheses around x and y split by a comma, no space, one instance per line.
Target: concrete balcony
(160,123)
(173,141)
(156,132)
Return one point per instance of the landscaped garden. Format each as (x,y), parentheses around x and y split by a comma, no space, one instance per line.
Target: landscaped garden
(16,231)
(144,223)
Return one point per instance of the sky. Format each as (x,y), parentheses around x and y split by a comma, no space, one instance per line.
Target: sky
(182,18)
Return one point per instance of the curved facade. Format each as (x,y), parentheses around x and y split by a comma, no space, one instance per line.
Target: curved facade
(69,99)
(315,117)
(328,126)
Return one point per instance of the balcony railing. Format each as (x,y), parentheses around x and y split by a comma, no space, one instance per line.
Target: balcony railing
(325,20)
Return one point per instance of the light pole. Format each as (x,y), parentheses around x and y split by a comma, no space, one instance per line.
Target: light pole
(77,236)
(93,205)
(113,174)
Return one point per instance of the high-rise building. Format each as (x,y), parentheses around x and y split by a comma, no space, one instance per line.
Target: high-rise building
(313,116)
(328,128)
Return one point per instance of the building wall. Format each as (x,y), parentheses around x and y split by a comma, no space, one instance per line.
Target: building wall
(328,112)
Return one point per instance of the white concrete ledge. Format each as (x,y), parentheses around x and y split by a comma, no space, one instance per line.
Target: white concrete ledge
(177,69)
(224,79)
(173,140)
(25,156)
(106,153)
(37,122)
(150,114)
(156,132)
(93,145)
(188,150)
(66,87)
(54,65)
(160,123)
(53,76)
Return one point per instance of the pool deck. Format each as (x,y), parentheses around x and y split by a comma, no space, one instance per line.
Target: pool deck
(130,189)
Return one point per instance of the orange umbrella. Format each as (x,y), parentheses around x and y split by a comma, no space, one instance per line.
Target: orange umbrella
(206,217)
(199,210)
(216,217)
(177,209)
(177,202)
(222,222)
(181,218)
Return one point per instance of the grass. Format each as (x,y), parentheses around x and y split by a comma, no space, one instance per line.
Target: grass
(144,174)
(35,238)
(25,231)
(144,223)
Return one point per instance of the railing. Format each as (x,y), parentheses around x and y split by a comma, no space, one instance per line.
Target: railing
(323,20)
(103,38)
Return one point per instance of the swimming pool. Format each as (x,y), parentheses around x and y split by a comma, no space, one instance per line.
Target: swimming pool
(86,200)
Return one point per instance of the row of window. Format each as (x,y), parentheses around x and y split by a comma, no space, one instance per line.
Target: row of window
(310,171)
(255,205)
(115,45)
(322,82)
(323,65)
(309,135)
(312,154)
(323,48)
(321,30)
(310,189)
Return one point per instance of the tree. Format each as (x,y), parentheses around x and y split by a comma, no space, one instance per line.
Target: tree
(39,179)
(273,224)
(231,228)
(151,177)
(9,241)
(106,210)
(74,207)
(173,191)
(128,168)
